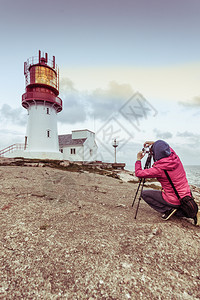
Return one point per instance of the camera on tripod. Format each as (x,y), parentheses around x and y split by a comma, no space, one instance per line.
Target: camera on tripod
(146,149)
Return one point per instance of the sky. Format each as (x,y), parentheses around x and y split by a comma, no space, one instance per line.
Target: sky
(128,70)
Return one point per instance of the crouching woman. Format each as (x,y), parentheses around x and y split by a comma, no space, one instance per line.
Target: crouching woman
(165,158)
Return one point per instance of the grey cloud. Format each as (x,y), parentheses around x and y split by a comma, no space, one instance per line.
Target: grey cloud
(9,137)
(66,84)
(163,135)
(186,134)
(9,132)
(73,103)
(188,153)
(105,102)
(189,150)
(74,109)
(16,116)
(194,102)
(192,139)
(101,103)
(192,106)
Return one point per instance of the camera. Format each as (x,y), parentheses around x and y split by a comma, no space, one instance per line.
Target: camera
(146,149)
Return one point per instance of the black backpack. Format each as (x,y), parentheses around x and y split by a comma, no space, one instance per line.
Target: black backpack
(188,206)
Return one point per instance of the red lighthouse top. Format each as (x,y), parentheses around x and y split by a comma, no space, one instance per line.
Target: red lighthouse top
(42,82)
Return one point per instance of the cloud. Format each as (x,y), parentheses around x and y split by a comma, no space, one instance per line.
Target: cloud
(117,99)
(194,102)
(73,105)
(105,102)
(73,111)
(9,132)
(13,123)
(99,104)
(188,152)
(186,134)
(190,139)
(15,116)
(163,135)
(66,84)
(9,136)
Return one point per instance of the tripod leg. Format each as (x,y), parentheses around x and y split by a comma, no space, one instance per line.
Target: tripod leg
(139,198)
(137,207)
(147,166)
(137,191)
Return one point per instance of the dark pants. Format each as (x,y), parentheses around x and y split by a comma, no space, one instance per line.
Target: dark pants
(155,200)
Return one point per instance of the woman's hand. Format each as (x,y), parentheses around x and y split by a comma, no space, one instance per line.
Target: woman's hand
(140,155)
(148,143)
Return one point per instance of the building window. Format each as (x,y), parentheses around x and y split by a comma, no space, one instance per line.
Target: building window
(48,133)
(61,150)
(48,113)
(73,151)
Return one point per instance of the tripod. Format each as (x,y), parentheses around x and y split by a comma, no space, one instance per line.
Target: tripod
(142,181)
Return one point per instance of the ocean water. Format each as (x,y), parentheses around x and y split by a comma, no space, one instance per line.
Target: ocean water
(193,174)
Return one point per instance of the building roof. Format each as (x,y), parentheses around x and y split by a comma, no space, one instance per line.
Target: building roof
(82,130)
(66,140)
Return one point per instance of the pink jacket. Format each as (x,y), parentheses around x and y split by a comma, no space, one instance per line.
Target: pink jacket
(175,170)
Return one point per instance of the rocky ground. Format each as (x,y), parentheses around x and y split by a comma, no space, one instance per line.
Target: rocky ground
(71,234)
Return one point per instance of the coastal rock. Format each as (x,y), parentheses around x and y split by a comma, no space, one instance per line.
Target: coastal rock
(73,235)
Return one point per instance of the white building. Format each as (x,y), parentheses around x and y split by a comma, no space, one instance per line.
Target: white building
(78,146)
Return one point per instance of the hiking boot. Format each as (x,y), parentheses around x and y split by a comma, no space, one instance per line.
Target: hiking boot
(169,213)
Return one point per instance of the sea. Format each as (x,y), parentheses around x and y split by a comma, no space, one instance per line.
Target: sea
(193,174)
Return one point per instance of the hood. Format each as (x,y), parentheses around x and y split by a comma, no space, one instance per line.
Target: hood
(160,150)
(168,163)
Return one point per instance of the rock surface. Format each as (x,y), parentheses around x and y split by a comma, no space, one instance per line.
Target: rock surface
(73,235)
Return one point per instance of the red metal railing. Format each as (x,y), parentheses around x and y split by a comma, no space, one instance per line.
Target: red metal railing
(11,148)
(41,96)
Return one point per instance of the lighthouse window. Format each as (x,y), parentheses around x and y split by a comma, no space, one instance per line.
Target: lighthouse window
(48,113)
(44,75)
(73,151)
(48,133)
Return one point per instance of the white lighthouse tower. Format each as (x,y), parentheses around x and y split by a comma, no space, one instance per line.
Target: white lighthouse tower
(42,103)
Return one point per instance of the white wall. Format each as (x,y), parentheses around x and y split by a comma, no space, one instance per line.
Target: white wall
(78,156)
(82,134)
(39,122)
(90,149)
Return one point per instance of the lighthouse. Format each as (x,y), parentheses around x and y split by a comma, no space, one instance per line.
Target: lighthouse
(43,104)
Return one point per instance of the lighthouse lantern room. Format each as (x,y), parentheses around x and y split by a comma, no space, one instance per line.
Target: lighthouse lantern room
(42,103)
